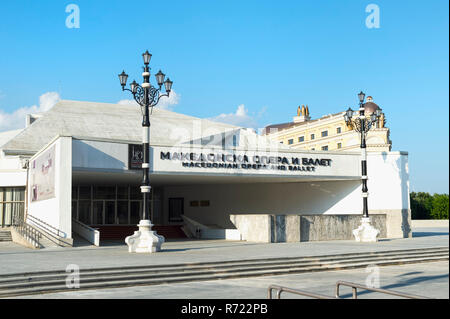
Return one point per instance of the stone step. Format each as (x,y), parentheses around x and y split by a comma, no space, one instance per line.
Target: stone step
(234,266)
(38,282)
(5,235)
(136,275)
(242,262)
(61,286)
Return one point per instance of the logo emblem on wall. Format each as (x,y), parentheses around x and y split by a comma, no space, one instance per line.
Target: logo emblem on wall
(135,156)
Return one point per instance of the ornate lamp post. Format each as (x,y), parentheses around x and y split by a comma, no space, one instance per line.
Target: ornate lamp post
(362,124)
(147,96)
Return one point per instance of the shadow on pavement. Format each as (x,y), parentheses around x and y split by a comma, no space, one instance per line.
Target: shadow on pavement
(426,234)
(402,283)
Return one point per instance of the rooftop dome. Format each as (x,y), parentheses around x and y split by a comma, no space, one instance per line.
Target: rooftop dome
(370,107)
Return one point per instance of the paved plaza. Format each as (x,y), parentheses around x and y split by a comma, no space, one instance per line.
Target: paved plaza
(428,279)
(423,279)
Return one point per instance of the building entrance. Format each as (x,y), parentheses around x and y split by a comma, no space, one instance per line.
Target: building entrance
(113,205)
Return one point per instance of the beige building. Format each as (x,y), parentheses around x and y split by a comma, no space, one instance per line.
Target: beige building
(330,132)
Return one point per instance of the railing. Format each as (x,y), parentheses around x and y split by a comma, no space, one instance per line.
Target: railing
(355,286)
(281,289)
(46,227)
(29,233)
(34,234)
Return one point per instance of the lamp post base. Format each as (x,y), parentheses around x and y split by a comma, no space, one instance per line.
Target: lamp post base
(366,232)
(144,240)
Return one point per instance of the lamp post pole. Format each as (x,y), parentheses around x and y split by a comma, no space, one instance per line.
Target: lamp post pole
(362,124)
(147,96)
(363,154)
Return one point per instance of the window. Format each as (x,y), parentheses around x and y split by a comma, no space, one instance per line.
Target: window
(197,203)
(339,145)
(313,149)
(235,140)
(104,192)
(301,139)
(113,205)
(324,133)
(11,204)
(193,203)
(291,141)
(204,203)
(325,148)
(339,130)
(312,136)
(122,212)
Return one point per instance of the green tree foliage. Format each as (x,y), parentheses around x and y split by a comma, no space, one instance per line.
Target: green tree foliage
(421,205)
(440,206)
(426,206)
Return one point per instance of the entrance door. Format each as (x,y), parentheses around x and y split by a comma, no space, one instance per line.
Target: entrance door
(110,212)
(176,209)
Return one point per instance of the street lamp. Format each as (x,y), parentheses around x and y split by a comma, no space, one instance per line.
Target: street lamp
(147,96)
(362,124)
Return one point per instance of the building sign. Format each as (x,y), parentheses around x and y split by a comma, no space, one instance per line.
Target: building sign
(248,162)
(42,170)
(135,156)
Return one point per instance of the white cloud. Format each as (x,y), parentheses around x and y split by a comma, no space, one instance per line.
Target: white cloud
(16,119)
(166,103)
(239,118)
(48,100)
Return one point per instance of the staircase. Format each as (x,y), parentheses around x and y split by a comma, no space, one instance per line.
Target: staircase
(172,231)
(55,281)
(120,232)
(5,235)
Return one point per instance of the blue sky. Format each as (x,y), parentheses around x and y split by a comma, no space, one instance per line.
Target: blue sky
(267,57)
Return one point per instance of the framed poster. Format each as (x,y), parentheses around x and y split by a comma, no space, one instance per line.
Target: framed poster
(42,171)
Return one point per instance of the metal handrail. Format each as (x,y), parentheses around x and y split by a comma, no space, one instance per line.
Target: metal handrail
(355,286)
(281,289)
(34,234)
(31,234)
(47,227)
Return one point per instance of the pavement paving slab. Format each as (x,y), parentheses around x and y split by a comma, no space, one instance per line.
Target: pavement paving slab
(425,279)
(18,259)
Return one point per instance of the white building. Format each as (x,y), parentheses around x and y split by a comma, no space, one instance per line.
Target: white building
(79,162)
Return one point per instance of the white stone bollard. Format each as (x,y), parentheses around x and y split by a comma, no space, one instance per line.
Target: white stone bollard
(366,232)
(144,240)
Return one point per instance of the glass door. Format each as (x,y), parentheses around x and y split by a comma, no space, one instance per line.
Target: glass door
(176,209)
(97,212)
(110,212)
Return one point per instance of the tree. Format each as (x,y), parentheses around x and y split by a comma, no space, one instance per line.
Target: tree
(440,206)
(421,205)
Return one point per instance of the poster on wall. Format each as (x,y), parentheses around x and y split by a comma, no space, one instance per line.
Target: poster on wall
(42,171)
